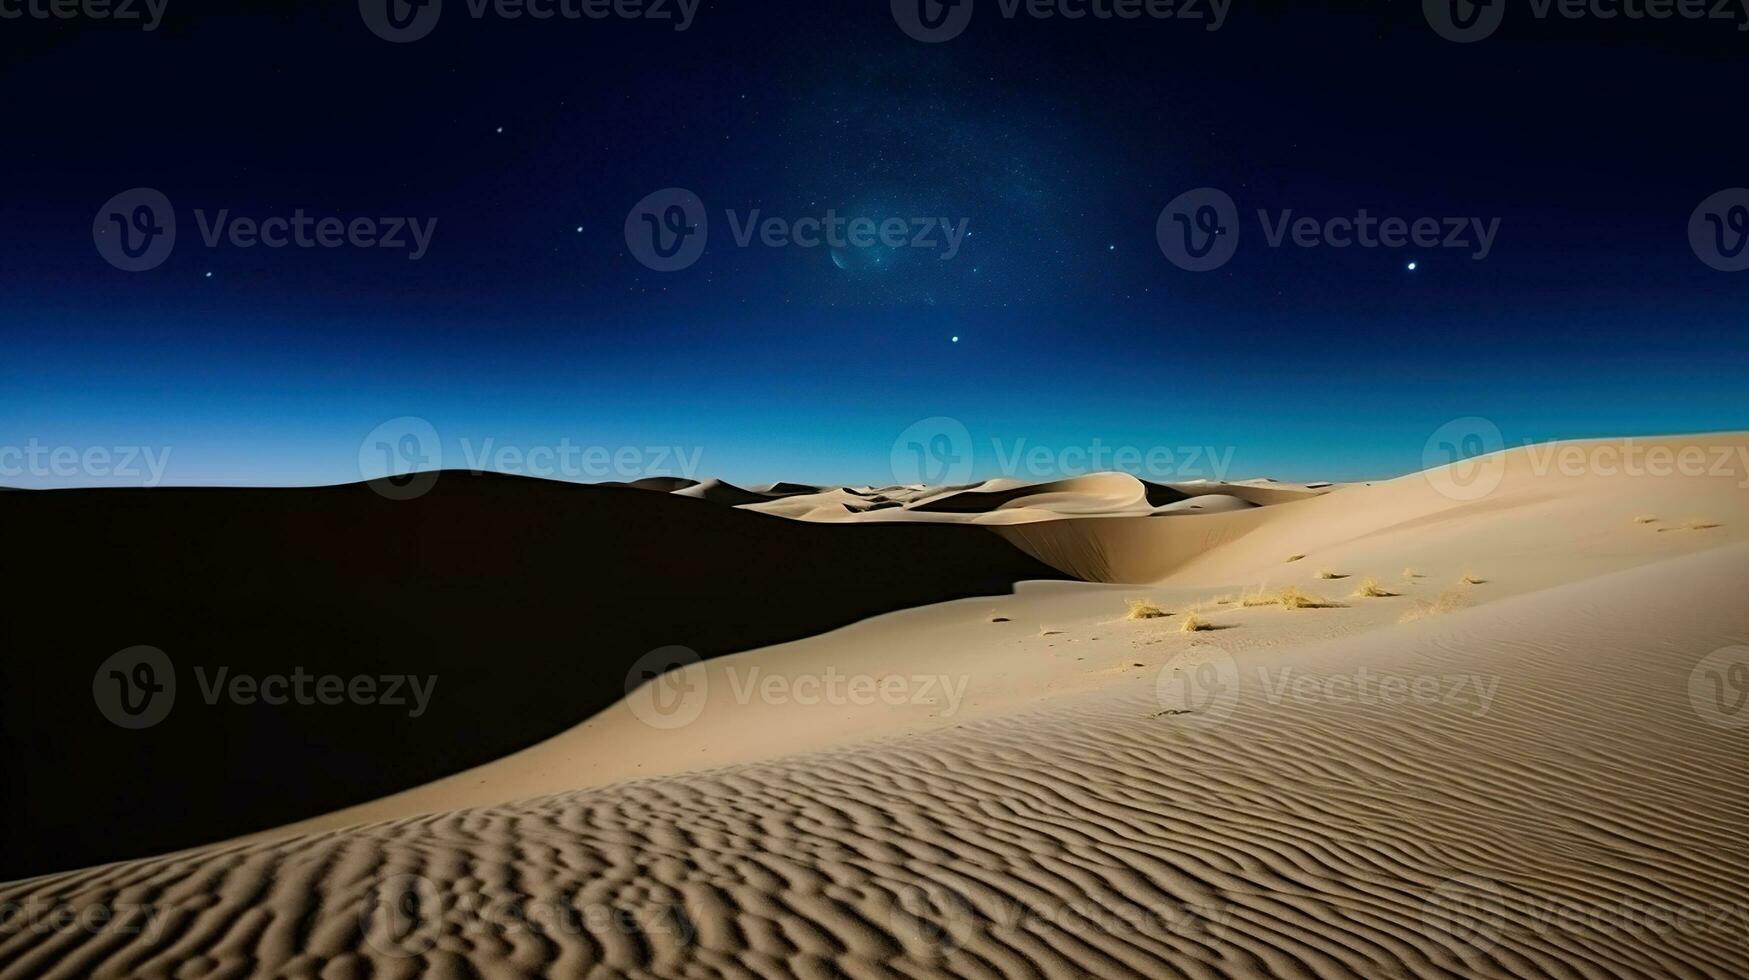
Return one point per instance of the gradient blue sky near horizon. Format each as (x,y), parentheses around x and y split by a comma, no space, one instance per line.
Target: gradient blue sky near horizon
(1058,143)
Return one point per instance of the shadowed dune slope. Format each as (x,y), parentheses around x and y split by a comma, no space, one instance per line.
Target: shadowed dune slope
(1561,807)
(527,600)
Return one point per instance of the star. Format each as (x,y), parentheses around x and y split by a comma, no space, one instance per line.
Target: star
(1411,267)
(956,340)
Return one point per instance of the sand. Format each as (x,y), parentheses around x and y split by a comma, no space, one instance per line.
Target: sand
(1520,764)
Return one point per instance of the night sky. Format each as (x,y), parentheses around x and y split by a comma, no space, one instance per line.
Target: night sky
(529,321)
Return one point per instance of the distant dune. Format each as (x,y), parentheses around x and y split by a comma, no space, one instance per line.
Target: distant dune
(527,599)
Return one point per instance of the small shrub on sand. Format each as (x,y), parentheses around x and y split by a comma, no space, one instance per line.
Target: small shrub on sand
(1412,573)
(1371,589)
(1293,558)
(1446,602)
(1294,598)
(1195,624)
(1697,524)
(1144,609)
(1645,519)
(1259,598)
(1471,578)
(1330,573)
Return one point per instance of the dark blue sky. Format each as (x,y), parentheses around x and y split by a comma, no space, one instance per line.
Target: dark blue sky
(1057,143)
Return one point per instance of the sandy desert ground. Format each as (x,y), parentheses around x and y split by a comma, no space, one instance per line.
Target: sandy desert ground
(1487,720)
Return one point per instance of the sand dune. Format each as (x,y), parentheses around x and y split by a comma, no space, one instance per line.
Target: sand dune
(526,600)
(1100,836)
(1490,750)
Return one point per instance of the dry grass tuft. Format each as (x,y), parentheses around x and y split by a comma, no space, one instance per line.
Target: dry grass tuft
(1293,558)
(1412,573)
(1251,600)
(1144,609)
(1447,602)
(1697,524)
(1645,519)
(1471,578)
(1195,624)
(1295,598)
(1371,589)
(1330,574)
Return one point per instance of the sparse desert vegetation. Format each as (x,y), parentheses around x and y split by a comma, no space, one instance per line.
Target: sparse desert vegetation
(1259,598)
(1698,524)
(1371,589)
(1329,573)
(1293,558)
(1412,573)
(1645,519)
(1471,578)
(1144,609)
(1195,624)
(1296,598)
(1449,601)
